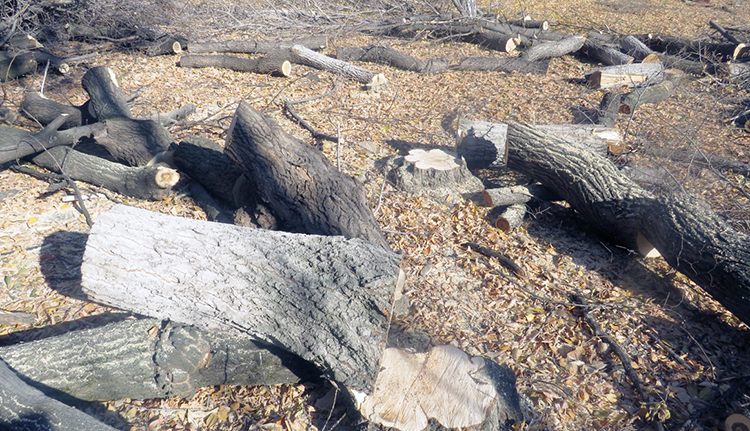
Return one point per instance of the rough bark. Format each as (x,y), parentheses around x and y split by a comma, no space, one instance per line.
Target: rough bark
(45,110)
(498,41)
(391,57)
(689,236)
(270,65)
(306,56)
(149,182)
(504,64)
(16,143)
(626,75)
(148,358)
(325,299)
(14,65)
(605,54)
(255,47)
(700,49)
(547,50)
(107,100)
(302,188)
(24,408)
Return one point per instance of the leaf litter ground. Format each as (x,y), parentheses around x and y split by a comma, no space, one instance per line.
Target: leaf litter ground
(690,353)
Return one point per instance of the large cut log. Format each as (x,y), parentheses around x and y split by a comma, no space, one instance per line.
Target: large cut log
(498,41)
(700,49)
(308,57)
(391,57)
(148,358)
(303,189)
(690,237)
(270,65)
(315,43)
(324,298)
(504,64)
(148,182)
(23,407)
(635,48)
(483,144)
(546,50)
(626,75)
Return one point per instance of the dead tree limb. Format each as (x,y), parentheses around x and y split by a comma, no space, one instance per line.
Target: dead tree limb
(303,189)
(107,100)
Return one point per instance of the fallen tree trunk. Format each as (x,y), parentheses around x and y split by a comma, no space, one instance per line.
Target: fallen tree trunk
(325,299)
(391,57)
(690,237)
(148,358)
(308,57)
(23,407)
(504,64)
(44,110)
(270,65)
(106,98)
(315,43)
(303,189)
(547,50)
(635,48)
(149,182)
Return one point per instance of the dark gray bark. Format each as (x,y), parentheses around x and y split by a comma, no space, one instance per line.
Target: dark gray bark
(167,45)
(391,57)
(690,237)
(302,188)
(271,65)
(148,358)
(148,182)
(695,49)
(325,299)
(107,100)
(256,47)
(24,408)
(504,64)
(134,142)
(504,42)
(609,108)
(650,94)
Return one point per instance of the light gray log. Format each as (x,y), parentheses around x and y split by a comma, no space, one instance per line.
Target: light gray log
(511,217)
(325,299)
(605,54)
(306,56)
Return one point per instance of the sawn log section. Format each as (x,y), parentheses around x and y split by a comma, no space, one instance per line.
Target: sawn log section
(690,237)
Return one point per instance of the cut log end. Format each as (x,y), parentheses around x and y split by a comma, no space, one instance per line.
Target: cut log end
(651,58)
(433,159)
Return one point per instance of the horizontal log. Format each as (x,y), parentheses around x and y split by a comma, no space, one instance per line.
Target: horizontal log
(306,56)
(529,23)
(45,110)
(635,48)
(149,358)
(391,57)
(504,64)
(326,299)
(263,65)
(150,182)
(315,43)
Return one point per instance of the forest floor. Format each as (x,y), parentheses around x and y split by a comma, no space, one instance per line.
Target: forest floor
(690,353)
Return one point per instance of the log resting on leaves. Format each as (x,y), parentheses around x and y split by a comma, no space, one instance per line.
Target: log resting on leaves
(324,298)
(149,358)
(148,182)
(23,407)
(14,65)
(690,237)
(304,190)
(106,98)
(546,50)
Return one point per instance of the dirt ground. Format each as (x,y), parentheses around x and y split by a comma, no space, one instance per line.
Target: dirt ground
(690,353)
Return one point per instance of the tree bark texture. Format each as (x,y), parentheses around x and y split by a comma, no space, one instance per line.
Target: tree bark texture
(511,217)
(504,64)
(496,40)
(315,43)
(699,49)
(391,57)
(306,56)
(134,142)
(650,94)
(325,299)
(263,65)
(24,408)
(635,48)
(690,237)
(547,50)
(107,100)
(149,182)
(167,45)
(148,358)
(303,189)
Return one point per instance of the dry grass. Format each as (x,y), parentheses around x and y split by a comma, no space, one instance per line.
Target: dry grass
(689,351)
